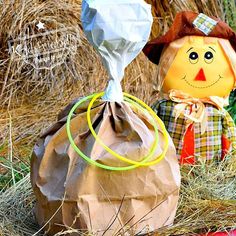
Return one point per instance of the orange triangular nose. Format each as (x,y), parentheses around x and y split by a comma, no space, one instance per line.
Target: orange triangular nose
(200,76)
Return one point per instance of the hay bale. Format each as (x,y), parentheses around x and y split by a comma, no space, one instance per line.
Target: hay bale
(35,58)
(32,92)
(207,203)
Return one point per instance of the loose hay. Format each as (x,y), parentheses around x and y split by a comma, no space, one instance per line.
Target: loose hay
(208,202)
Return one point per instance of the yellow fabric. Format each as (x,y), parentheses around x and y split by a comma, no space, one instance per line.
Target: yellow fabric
(196,112)
(219,76)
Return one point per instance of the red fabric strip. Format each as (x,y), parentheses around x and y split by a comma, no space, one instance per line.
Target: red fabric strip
(231,233)
(187,155)
(225,146)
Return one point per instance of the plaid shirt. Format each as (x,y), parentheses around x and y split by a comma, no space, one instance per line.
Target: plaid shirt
(207,145)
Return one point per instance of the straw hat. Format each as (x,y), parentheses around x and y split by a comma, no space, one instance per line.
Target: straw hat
(189,23)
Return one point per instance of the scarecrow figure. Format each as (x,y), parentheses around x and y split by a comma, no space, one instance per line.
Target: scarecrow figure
(197,72)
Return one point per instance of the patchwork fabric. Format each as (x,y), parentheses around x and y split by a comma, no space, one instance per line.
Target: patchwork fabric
(207,145)
(204,23)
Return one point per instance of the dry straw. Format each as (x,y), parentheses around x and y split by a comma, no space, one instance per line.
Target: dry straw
(164,11)
(207,203)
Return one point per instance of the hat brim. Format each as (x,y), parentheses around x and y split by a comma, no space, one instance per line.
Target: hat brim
(183,26)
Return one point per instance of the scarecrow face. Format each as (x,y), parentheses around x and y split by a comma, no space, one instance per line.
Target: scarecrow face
(200,69)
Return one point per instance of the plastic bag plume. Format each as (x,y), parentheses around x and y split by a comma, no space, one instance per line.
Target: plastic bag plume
(118,31)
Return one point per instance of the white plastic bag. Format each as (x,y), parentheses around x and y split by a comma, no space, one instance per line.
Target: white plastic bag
(118,30)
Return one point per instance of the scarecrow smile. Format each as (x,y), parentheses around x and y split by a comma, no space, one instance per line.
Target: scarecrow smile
(202,87)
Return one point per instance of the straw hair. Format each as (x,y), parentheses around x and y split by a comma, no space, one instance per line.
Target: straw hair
(168,55)
(230,55)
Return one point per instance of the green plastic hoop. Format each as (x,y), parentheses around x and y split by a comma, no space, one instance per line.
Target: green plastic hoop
(86,158)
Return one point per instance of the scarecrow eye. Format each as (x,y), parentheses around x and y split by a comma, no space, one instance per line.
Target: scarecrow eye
(193,57)
(208,57)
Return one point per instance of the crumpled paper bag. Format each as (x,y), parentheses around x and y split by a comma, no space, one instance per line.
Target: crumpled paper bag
(72,194)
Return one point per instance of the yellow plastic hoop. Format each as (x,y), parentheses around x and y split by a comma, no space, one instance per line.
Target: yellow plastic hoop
(134,101)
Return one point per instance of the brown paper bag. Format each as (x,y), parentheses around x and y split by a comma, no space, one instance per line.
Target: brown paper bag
(72,194)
